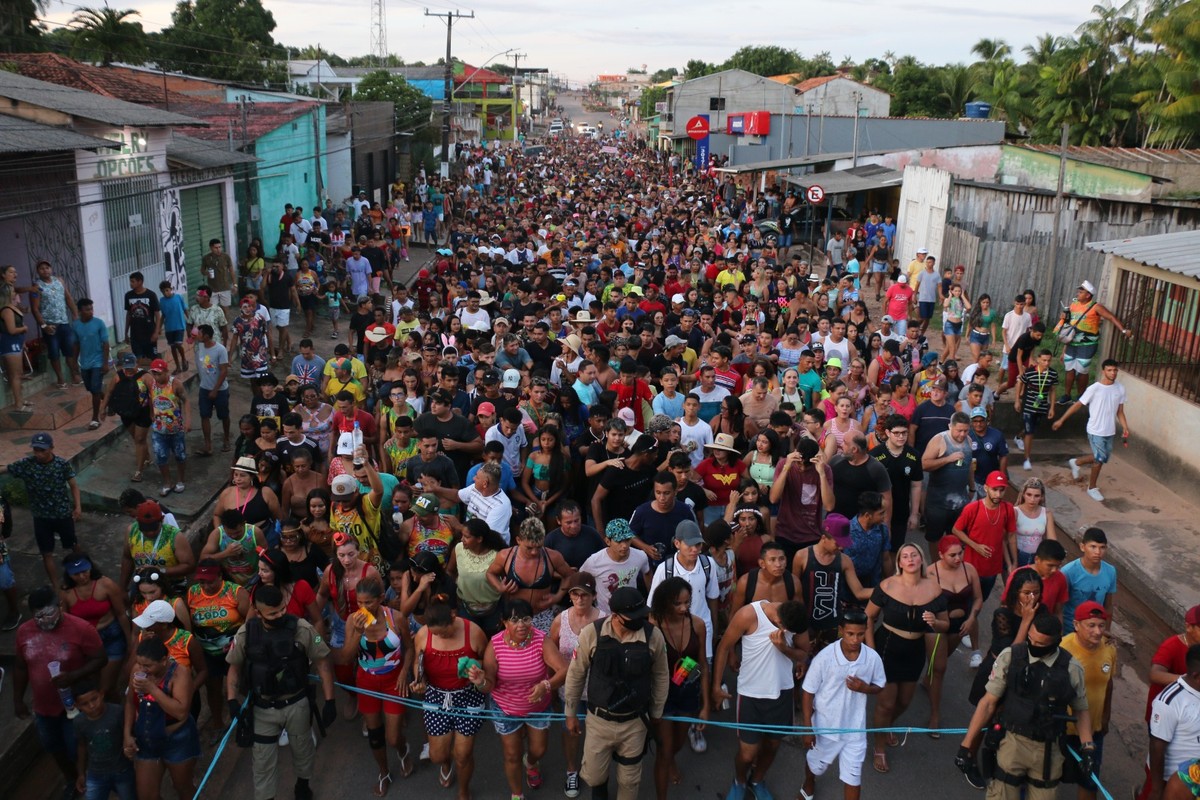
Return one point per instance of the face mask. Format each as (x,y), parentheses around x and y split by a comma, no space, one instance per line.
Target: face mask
(1037,651)
(633,624)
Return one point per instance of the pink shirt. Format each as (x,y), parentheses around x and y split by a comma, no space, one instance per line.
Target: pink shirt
(518,671)
(898,298)
(72,643)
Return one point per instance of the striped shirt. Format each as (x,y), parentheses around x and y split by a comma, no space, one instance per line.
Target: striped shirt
(518,671)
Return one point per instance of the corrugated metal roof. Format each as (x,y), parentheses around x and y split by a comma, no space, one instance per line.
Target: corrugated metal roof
(1174,252)
(85,105)
(855,179)
(23,136)
(1144,155)
(795,161)
(202,155)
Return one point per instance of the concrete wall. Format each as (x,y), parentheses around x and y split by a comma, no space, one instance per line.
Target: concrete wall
(1039,170)
(338,181)
(837,98)
(742,91)
(373,127)
(972,163)
(287,171)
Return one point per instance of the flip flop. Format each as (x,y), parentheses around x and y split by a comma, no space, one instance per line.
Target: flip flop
(204,453)
(136,477)
(381,789)
(405,771)
(880,763)
(226,446)
(892,741)
(446,776)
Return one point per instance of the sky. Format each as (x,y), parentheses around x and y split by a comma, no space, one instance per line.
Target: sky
(579,39)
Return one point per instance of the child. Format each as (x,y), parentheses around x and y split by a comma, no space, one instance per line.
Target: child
(720,546)
(335,303)
(99,729)
(174,321)
(835,696)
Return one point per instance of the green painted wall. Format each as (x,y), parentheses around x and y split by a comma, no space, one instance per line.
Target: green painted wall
(1038,170)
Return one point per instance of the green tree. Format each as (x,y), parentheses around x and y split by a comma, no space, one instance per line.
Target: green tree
(991,49)
(697,69)
(955,81)
(20,27)
(412,107)
(652,95)
(765,60)
(107,35)
(663,75)
(1171,106)
(223,39)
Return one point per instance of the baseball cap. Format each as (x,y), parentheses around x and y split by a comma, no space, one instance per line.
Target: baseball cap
(77,565)
(902,279)
(678,298)
(584,581)
(688,532)
(1193,616)
(618,530)
(425,505)
(997,480)
(345,445)
(490,376)
(345,485)
(512,379)
(888,318)
(41,441)
(675,341)
(921,251)
(1088,287)
(158,365)
(837,527)
(644,444)
(207,572)
(128,361)
(158,611)
(627,601)
(148,512)
(978,411)
(1090,610)
(485,409)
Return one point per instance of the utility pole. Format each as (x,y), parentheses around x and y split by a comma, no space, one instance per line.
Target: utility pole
(1048,291)
(516,57)
(854,158)
(450,16)
(245,106)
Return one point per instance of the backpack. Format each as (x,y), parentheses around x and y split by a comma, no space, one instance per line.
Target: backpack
(705,563)
(124,400)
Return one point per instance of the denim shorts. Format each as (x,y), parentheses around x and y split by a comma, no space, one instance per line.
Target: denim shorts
(506,725)
(982,339)
(166,444)
(176,748)
(56,734)
(925,310)
(1030,420)
(7,579)
(93,380)
(1102,447)
(60,343)
(99,787)
(113,639)
(220,404)
(174,338)
(952,328)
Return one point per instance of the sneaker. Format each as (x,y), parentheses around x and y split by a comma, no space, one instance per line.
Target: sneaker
(1094,493)
(1065,400)
(179,487)
(976,659)
(302,791)
(164,491)
(696,740)
(761,792)
(971,773)
(283,738)
(1028,465)
(533,774)
(571,787)
(424,751)
(966,641)
(737,791)
(1075,471)
(1020,443)
(11,623)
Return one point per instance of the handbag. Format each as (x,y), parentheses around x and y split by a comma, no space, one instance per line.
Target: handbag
(1068,331)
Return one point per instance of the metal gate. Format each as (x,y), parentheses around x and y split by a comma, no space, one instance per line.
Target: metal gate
(203,213)
(131,220)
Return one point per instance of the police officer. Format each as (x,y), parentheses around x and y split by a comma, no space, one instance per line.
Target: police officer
(623,661)
(1036,681)
(272,654)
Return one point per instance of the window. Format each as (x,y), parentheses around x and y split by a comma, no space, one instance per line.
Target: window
(716,104)
(1165,346)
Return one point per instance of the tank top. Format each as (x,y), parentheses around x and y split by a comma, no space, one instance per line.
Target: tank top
(518,671)
(425,539)
(244,567)
(351,594)
(1030,531)
(766,673)
(822,591)
(887,371)
(158,553)
(955,601)
(762,474)
(542,581)
(89,608)
(166,408)
(215,617)
(177,646)
(473,586)
(441,666)
(952,478)
(839,435)
(148,705)
(385,655)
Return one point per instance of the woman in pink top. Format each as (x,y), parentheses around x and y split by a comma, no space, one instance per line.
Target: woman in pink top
(521,671)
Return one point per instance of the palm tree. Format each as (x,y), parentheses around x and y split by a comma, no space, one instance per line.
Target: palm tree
(955,83)
(106,35)
(1042,50)
(991,49)
(1173,111)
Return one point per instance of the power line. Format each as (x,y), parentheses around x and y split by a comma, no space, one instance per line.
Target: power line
(448,82)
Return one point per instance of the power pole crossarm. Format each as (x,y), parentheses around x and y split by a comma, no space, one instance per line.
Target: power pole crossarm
(450,17)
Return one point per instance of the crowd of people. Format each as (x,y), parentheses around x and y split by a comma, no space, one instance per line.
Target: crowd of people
(619,450)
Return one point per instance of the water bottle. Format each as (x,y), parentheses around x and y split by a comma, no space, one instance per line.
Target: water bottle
(358,440)
(64,693)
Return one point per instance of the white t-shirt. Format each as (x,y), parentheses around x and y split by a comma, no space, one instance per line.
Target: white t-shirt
(471,319)
(700,433)
(612,575)
(1102,402)
(495,510)
(512,445)
(1175,718)
(834,705)
(1014,326)
(702,590)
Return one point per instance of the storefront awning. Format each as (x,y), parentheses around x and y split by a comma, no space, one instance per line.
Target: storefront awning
(845,181)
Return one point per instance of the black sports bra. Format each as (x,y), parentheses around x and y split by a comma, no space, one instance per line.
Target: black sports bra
(543,581)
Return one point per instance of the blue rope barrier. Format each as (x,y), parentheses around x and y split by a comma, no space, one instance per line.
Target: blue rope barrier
(220,749)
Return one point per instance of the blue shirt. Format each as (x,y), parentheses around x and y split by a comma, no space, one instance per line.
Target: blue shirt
(92,335)
(867,551)
(308,371)
(671,406)
(1085,586)
(173,312)
(988,450)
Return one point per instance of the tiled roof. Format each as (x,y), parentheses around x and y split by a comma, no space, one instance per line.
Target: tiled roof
(54,68)
(260,120)
(25,136)
(85,104)
(471,74)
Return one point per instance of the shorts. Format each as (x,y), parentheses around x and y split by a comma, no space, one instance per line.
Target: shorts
(901,326)
(7,579)
(466,703)
(44,531)
(99,787)
(335,313)
(981,339)
(763,711)
(281,317)
(143,348)
(308,302)
(164,445)
(254,282)
(93,380)
(903,659)
(925,310)
(11,345)
(56,734)
(175,748)
(379,684)
(223,299)
(952,328)
(683,701)
(509,725)
(113,639)
(785,239)
(140,419)
(1030,420)
(174,338)
(1102,447)
(1078,357)
(217,665)
(1085,782)
(850,752)
(60,343)
(220,404)
(878,267)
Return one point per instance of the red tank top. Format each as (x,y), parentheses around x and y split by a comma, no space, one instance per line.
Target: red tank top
(441,666)
(351,594)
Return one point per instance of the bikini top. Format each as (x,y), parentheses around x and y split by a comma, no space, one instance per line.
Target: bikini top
(543,580)
(955,601)
(905,617)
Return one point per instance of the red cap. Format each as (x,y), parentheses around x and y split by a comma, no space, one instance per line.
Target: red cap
(148,512)
(653,286)
(158,365)
(1193,616)
(1090,610)
(486,408)
(997,479)
(423,274)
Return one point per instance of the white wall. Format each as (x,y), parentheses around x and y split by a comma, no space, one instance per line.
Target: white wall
(835,98)
(338,181)
(921,218)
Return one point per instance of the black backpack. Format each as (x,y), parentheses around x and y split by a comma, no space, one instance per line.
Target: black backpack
(124,400)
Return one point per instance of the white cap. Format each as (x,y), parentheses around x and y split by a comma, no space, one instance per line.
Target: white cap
(922,251)
(888,317)
(1087,287)
(158,611)
(344,485)
(902,279)
(512,379)
(345,445)
(678,298)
